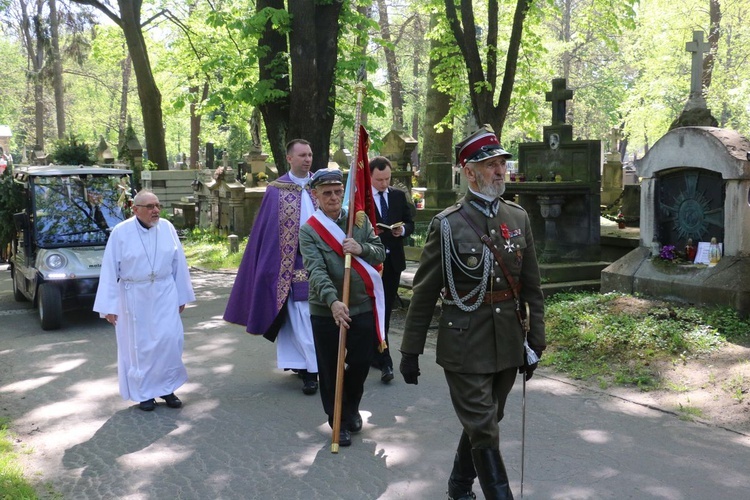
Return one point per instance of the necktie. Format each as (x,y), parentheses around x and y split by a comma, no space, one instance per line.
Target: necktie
(383,207)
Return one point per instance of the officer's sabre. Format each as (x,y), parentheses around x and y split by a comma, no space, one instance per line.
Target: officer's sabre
(523,429)
(523,404)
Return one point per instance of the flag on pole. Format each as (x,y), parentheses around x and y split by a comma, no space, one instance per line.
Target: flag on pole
(364,204)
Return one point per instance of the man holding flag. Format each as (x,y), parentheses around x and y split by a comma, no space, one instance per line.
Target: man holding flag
(324,243)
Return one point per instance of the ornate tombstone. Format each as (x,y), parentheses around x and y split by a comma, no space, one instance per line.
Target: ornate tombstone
(559,184)
(695,184)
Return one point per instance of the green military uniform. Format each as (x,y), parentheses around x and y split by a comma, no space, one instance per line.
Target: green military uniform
(480,341)
(489,338)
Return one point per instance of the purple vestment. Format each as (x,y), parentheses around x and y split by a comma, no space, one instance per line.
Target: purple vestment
(271,270)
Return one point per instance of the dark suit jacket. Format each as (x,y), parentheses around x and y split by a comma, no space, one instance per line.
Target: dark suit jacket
(399,210)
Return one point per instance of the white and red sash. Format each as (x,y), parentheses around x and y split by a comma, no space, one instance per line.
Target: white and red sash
(333,236)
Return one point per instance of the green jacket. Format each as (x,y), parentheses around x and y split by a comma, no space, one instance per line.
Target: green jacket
(489,339)
(326,269)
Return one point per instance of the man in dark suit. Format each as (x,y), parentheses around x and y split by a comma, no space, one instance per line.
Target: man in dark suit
(393,207)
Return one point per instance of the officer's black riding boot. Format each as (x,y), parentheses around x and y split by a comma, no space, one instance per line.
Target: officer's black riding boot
(463,473)
(492,475)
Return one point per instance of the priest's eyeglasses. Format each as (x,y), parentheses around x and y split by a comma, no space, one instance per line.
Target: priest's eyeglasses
(150,206)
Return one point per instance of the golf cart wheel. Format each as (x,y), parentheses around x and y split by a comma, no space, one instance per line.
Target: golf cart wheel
(50,306)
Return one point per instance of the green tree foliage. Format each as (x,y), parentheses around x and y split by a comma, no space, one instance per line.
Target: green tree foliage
(625,61)
(71,151)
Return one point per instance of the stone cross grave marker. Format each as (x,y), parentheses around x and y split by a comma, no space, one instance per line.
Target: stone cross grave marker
(558,97)
(614,139)
(698,47)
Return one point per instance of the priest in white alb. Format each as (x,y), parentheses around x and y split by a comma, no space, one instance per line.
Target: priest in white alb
(143,287)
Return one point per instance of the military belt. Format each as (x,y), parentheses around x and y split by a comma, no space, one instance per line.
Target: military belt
(491,297)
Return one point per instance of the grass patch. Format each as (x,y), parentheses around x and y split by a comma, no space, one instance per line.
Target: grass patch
(12,483)
(208,250)
(736,387)
(689,413)
(618,339)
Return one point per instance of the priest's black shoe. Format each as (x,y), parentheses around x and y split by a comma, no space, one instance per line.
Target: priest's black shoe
(355,425)
(309,382)
(310,387)
(386,375)
(147,405)
(345,439)
(172,400)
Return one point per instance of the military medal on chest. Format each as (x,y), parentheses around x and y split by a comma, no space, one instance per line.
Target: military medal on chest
(505,232)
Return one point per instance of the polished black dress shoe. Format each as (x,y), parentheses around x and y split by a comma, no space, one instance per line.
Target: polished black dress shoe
(355,424)
(172,400)
(386,375)
(345,439)
(147,405)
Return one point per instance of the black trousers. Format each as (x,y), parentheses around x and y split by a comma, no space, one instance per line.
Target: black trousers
(391,280)
(359,348)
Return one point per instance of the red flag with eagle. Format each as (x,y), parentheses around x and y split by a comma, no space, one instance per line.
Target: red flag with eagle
(364,204)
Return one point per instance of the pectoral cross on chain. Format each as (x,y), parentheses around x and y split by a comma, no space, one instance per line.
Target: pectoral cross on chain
(152,276)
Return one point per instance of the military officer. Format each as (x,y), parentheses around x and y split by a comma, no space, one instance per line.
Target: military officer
(480,342)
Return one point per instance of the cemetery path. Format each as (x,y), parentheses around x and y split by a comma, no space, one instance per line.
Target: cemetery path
(713,389)
(247,431)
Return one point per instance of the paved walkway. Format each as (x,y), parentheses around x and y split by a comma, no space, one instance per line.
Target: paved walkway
(247,431)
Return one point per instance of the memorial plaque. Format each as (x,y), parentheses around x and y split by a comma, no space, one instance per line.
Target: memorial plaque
(691,205)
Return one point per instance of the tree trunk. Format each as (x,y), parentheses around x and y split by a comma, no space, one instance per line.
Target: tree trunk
(57,79)
(122,126)
(362,42)
(195,125)
(511,65)
(565,38)
(274,69)
(436,146)
(148,91)
(34,40)
(714,12)
(481,88)
(313,43)
(394,80)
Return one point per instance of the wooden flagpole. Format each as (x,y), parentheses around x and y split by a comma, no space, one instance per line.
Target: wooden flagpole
(352,180)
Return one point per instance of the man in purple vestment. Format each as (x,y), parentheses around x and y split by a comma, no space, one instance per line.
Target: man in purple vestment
(270,293)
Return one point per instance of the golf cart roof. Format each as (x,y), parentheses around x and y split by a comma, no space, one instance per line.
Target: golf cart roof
(59,170)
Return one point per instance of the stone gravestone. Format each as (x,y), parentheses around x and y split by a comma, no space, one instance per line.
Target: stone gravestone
(439,179)
(612,172)
(695,184)
(256,159)
(397,147)
(104,155)
(342,156)
(38,156)
(559,184)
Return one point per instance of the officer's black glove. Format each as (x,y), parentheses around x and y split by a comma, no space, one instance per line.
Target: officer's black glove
(409,367)
(527,368)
